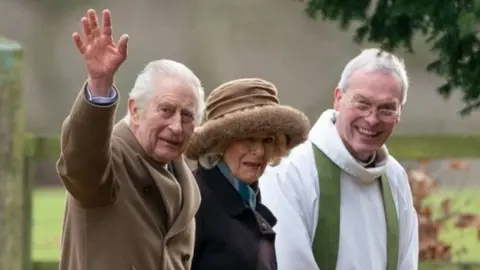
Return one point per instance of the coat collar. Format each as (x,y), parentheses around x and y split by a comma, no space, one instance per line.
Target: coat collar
(123,131)
(229,198)
(248,193)
(181,203)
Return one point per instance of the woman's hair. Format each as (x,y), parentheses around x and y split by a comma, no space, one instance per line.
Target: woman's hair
(279,151)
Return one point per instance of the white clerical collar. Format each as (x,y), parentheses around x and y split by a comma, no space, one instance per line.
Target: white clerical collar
(325,136)
(370,161)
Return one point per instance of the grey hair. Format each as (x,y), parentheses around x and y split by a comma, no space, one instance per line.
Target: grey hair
(158,69)
(376,59)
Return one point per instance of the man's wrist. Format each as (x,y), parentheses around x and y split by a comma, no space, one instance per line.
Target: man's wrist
(101,100)
(100,87)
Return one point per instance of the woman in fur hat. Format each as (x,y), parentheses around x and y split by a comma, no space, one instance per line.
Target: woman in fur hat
(245,130)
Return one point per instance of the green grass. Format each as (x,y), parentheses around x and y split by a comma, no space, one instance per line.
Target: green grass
(48,206)
(427,266)
(41,265)
(466,201)
(434,147)
(48,216)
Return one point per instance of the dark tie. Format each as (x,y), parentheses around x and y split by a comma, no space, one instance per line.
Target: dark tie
(170,168)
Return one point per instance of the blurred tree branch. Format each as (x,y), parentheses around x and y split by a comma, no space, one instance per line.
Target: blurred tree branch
(450,28)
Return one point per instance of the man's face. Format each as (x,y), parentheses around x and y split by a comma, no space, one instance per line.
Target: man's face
(368,111)
(165,126)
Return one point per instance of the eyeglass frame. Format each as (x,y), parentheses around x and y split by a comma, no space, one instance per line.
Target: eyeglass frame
(368,109)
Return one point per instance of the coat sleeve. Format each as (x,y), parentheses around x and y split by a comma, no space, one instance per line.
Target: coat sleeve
(85,165)
(408,253)
(290,195)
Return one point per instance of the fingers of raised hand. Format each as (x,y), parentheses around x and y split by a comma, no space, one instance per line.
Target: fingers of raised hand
(107,23)
(78,42)
(122,46)
(91,32)
(93,21)
(87,31)
(90,26)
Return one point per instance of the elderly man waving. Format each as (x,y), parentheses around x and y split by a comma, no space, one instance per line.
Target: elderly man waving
(131,198)
(341,201)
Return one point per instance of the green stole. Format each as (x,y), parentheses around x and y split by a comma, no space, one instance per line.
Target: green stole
(325,242)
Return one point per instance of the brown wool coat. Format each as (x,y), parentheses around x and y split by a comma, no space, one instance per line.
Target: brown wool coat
(123,210)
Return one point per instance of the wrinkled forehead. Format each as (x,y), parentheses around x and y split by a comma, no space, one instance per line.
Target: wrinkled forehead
(173,91)
(377,86)
(173,85)
(379,99)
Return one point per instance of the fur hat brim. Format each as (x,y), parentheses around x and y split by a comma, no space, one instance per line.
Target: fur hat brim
(215,134)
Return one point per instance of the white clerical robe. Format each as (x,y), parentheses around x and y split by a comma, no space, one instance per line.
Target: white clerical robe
(291,191)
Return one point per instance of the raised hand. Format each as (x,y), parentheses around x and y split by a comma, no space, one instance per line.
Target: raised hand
(102,57)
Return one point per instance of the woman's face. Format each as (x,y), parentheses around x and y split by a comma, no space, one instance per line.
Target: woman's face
(248,158)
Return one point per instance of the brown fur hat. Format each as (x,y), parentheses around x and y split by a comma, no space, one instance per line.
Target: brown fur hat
(240,108)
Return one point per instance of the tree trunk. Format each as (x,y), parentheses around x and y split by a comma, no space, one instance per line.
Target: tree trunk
(12,193)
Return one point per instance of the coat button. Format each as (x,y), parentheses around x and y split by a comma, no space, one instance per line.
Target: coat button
(185,258)
(147,190)
(263,226)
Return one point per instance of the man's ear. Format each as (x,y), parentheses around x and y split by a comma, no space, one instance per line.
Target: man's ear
(134,112)
(400,109)
(337,97)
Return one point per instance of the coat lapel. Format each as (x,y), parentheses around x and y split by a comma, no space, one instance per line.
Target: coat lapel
(168,187)
(190,197)
(179,192)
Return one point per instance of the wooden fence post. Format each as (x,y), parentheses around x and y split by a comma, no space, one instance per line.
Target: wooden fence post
(12,187)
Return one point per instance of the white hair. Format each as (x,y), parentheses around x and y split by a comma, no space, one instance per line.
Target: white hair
(158,69)
(376,59)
